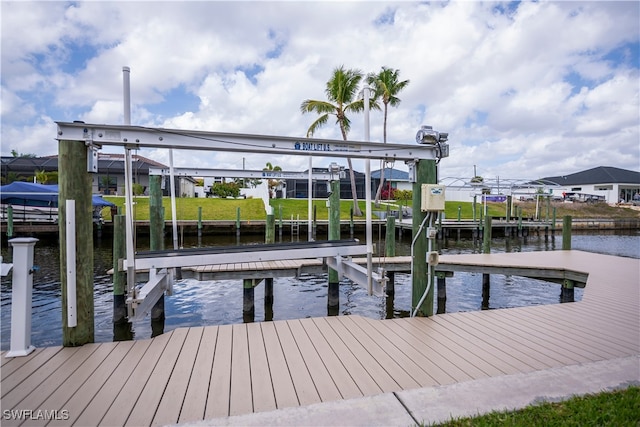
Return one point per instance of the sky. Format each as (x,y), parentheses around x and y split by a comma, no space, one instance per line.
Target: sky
(524,89)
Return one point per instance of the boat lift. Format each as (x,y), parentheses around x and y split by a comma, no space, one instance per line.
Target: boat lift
(160,281)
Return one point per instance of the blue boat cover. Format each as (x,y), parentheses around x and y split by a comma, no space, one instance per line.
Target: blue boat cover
(41,195)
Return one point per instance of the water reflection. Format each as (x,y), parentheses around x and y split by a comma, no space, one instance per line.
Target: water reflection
(221,302)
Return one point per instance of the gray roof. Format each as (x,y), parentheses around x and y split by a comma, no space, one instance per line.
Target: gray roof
(391,174)
(597,175)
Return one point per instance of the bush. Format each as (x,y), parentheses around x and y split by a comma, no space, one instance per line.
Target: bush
(225,189)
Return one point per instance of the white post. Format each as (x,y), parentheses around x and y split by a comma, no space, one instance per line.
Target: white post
(72,319)
(21,296)
(310,201)
(126,92)
(367,189)
(174,219)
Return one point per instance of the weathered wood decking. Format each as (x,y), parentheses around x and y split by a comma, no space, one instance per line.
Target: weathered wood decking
(203,372)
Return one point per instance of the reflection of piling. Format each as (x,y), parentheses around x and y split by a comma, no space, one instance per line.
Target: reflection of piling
(248,306)
(567,294)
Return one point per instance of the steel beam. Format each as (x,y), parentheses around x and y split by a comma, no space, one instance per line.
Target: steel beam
(358,274)
(242,173)
(136,137)
(252,253)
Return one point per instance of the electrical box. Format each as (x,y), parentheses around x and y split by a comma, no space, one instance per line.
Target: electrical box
(432,198)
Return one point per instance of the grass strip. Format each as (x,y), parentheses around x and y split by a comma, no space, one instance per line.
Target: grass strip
(616,408)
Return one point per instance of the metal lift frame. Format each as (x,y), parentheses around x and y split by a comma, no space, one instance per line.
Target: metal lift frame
(137,137)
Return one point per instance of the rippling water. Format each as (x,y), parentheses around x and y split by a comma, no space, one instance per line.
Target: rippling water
(197,303)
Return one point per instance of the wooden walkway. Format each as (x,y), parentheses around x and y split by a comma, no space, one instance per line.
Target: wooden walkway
(204,372)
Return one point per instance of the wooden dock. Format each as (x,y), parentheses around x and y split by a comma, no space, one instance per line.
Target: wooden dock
(198,373)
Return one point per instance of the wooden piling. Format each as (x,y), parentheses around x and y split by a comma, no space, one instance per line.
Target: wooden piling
(119,277)
(486,248)
(238,221)
(567,293)
(270,229)
(9,221)
(268,299)
(315,222)
(199,221)
(248,306)
(442,291)
(74,183)
(333,300)
(156,234)
(425,174)
(566,233)
(390,251)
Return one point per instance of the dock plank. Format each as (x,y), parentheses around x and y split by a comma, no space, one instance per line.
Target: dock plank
(261,384)
(127,397)
(326,388)
(171,401)
(339,375)
(367,385)
(283,388)
(302,382)
(195,399)
(30,396)
(220,386)
(56,399)
(94,398)
(240,401)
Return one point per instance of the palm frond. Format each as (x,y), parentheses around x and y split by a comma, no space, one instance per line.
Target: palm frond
(317,124)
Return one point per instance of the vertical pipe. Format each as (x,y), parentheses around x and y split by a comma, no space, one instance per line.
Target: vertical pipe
(70,206)
(367,189)
(126,94)
(309,199)
(174,216)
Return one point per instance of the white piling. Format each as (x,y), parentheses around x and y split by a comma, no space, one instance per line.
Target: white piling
(21,296)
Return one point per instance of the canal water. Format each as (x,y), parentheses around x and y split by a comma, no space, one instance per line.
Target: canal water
(201,303)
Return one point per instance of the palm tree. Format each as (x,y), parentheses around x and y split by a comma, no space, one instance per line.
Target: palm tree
(342,94)
(386,86)
(272,183)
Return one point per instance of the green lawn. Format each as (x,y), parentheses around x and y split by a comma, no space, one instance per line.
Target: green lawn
(253,209)
(618,408)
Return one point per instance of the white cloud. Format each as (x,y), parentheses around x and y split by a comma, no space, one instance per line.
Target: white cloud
(536,88)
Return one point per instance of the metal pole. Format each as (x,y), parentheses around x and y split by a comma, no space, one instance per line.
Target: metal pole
(174,219)
(367,187)
(309,200)
(126,92)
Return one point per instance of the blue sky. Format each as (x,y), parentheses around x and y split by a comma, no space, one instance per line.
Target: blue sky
(525,89)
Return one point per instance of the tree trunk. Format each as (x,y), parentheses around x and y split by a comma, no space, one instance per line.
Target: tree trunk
(354,192)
